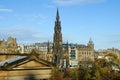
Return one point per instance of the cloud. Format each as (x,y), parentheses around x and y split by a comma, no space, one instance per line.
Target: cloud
(23,35)
(50,6)
(38,16)
(6,10)
(32,18)
(73,2)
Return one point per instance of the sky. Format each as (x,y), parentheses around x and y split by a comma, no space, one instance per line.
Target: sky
(32,21)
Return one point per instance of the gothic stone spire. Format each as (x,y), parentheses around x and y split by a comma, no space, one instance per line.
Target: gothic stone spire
(57,15)
(57,43)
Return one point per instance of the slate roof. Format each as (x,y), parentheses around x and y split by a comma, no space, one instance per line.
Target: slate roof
(11,64)
(9,61)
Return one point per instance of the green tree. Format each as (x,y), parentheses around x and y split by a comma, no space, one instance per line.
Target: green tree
(74,73)
(97,75)
(56,74)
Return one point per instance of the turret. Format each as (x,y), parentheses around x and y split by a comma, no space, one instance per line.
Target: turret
(91,44)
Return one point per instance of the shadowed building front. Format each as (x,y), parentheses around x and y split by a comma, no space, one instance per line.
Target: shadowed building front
(20,67)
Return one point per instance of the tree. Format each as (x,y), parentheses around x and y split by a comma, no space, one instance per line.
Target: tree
(74,73)
(56,74)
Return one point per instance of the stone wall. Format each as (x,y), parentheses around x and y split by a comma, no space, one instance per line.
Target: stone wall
(23,74)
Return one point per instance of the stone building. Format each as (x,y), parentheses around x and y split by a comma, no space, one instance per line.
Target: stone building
(79,53)
(103,53)
(85,52)
(114,51)
(21,66)
(71,50)
(9,46)
(3,46)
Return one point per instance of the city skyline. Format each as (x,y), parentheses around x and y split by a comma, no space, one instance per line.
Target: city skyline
(33,21)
